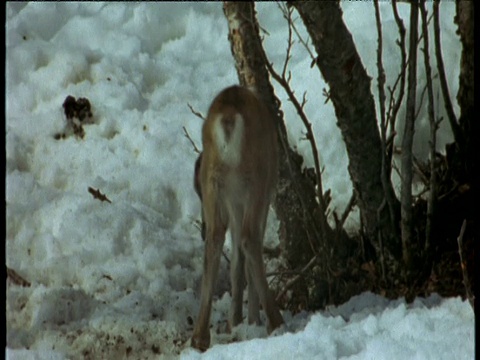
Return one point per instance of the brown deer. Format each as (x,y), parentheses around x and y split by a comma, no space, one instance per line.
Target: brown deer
(235,177)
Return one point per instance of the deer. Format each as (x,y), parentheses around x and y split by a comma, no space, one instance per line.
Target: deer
(235,179)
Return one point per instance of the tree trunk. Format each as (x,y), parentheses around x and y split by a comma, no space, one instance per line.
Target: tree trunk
(350,93)
(463,158)
(465,21)
(407,141)
(294,203)
(465,96)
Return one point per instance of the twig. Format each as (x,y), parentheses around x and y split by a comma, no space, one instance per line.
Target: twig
(348,209)
(309,221)
(418,168)
(283,80)
(326,94)
(196,113)
(292,282)
(463,264)
(187,135)
(420,103)
(322,250)
(16,278)
(285,10)
(309,136)
(288,56)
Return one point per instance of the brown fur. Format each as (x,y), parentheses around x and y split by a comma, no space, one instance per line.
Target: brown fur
(237,197)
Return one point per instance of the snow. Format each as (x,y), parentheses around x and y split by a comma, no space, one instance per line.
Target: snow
(121,279)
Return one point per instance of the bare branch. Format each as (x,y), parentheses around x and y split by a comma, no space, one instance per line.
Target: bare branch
(185,132)
(326,94)
(292,282)
(304,99)
(187,135)
(284,82)
(310,136)
(285,10)
(457,132)
(419,170)
(16,278)
(420,102)
(196,113)
(348,209)
(288,17)
(394,106)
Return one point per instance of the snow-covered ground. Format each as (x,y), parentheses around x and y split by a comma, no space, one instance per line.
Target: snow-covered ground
(120,279)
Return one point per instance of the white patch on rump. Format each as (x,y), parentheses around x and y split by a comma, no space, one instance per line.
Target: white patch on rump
(229,148)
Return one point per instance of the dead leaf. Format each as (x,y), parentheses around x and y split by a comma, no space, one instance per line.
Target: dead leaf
(98,195)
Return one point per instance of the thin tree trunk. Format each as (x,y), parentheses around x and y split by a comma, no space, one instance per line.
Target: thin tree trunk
(432,197)
(350,93)
(407,141)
